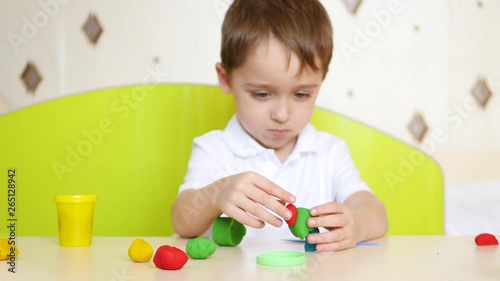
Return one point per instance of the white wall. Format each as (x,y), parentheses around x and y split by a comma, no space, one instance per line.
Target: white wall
(424,58)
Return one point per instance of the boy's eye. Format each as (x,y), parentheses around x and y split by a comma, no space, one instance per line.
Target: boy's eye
(261,94)
(301,95)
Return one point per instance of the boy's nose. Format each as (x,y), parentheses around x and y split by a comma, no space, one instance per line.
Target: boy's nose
(280,112)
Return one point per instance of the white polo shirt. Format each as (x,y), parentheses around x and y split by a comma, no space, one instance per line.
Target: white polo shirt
(319,169)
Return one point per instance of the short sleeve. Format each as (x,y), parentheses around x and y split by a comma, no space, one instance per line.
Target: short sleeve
(346,177)
(200,170)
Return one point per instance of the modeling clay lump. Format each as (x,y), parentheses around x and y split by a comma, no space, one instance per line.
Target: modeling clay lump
(140,251)
(227,232)
(200,248)
(308,246)
(486,239)
(7,250)
(293,220)
(170,258)
(300,228)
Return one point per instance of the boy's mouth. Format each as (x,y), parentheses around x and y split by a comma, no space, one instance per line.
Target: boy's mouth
(278,133)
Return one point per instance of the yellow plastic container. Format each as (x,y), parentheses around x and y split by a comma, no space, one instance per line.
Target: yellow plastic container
(75,217)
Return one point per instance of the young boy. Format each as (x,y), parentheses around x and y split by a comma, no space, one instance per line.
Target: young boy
(275,55)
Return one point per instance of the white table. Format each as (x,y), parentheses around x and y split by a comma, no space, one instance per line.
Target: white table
(444,258)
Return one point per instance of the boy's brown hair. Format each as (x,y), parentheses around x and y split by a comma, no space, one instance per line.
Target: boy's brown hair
(302,26)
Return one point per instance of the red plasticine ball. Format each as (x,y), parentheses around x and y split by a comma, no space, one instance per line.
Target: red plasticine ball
(293,219)
(170,258)
(486,239)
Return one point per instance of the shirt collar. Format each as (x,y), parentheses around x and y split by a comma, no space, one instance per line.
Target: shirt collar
(243,145)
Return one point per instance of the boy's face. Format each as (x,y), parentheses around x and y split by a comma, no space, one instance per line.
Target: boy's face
(274,99)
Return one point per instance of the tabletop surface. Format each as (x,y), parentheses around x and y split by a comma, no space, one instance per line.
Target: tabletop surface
(445,258)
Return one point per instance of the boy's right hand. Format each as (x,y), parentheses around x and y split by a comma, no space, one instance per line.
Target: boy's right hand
(243,196)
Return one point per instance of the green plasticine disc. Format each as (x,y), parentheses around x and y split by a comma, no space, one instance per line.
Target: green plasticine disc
(281,258)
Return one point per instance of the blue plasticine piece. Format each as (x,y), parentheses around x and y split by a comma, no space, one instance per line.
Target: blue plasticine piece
(308,246)
(362,243)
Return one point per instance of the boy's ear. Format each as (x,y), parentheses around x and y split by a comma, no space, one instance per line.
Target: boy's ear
(224,82)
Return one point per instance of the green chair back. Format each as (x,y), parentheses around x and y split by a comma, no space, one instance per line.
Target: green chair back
(130,146)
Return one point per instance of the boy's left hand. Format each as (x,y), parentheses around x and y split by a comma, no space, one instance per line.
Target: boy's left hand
(341,222)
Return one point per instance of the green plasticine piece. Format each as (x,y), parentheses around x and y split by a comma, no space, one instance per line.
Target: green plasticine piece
(300,229)
(200,248)
(228,232)
(281,258)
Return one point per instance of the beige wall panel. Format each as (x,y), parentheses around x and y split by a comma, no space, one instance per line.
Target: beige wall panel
(30,32)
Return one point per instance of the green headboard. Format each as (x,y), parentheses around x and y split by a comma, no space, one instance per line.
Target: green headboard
(130,147)
(409,182)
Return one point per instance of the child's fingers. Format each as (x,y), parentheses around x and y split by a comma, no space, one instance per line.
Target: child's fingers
(244,218)
(335,220)
(281,201)
(269,202)
(336,246)
(334,240)
(328,208)
(259,212)
(273,189)
(332,236)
